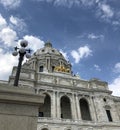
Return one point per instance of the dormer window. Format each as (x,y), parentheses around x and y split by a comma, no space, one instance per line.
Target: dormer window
(41,69)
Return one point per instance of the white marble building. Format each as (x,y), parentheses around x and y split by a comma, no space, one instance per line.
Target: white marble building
(70,103)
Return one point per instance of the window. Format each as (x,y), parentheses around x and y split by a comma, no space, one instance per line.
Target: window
(104,99)
(41,114)
(41,69)
(84,107)
(109,115)
(45,109)
(53,67)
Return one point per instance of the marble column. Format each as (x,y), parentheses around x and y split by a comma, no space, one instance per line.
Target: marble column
(58,105)
(53,105)
(78,107)
(73,107)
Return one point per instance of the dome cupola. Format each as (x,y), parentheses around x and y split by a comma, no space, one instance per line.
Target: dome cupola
(49,59)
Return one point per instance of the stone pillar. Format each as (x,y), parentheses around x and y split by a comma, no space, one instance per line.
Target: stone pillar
(58,106)
(100,110)
(53,105)
(73,108)
(93,109)
(78,108)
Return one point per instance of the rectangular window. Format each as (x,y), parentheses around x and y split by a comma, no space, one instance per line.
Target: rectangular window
(109,115)
(53,67)
(41,114)
(61,115)
(41,69)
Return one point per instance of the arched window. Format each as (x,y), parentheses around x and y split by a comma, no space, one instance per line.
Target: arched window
(65,108)
(45,110)
(84,107)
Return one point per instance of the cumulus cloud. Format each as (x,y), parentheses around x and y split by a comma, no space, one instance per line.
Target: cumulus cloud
(117,68)
(115,86)
(34,42)
(8,36)
(6,63)
(93,36)
(81,53)
(97,67)
(9,4)
(9,30)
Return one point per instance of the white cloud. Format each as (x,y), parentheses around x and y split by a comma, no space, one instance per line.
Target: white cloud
(105,11)
(88,2)
(81,53)
(8,36)
(70,3)
(14,20)
(64,54)
(17,24)
(3,22)
(34,42)
(115,86)
(97,67)
(7,61)
(115,23)
(93,36)
(117,68)
(10,3)
(67,3)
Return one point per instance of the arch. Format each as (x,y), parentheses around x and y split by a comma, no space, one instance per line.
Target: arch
(45,109)
(84,108)
(65,107)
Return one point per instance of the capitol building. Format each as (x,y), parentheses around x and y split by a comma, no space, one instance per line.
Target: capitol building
(70,103)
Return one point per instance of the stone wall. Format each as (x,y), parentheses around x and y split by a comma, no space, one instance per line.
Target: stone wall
(18,108)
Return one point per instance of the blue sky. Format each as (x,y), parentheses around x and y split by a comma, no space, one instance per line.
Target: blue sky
(87,32)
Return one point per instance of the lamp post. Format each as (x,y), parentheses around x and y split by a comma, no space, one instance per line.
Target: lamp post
(22,52)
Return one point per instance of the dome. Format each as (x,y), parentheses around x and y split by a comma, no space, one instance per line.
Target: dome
(49,59)
(48,49)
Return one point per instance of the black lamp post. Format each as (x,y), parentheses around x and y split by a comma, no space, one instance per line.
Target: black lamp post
(21,51)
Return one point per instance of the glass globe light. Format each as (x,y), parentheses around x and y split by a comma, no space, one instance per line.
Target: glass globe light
(22,50)
(28,55)
(24,43)
(15,53)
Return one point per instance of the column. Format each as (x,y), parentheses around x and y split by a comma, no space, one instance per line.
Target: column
(73,108)
(58,106)
(92,109)
(53,105)
(78,108)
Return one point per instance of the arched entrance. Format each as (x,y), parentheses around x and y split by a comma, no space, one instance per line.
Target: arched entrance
(65,108)
(45,110)
(84,107)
